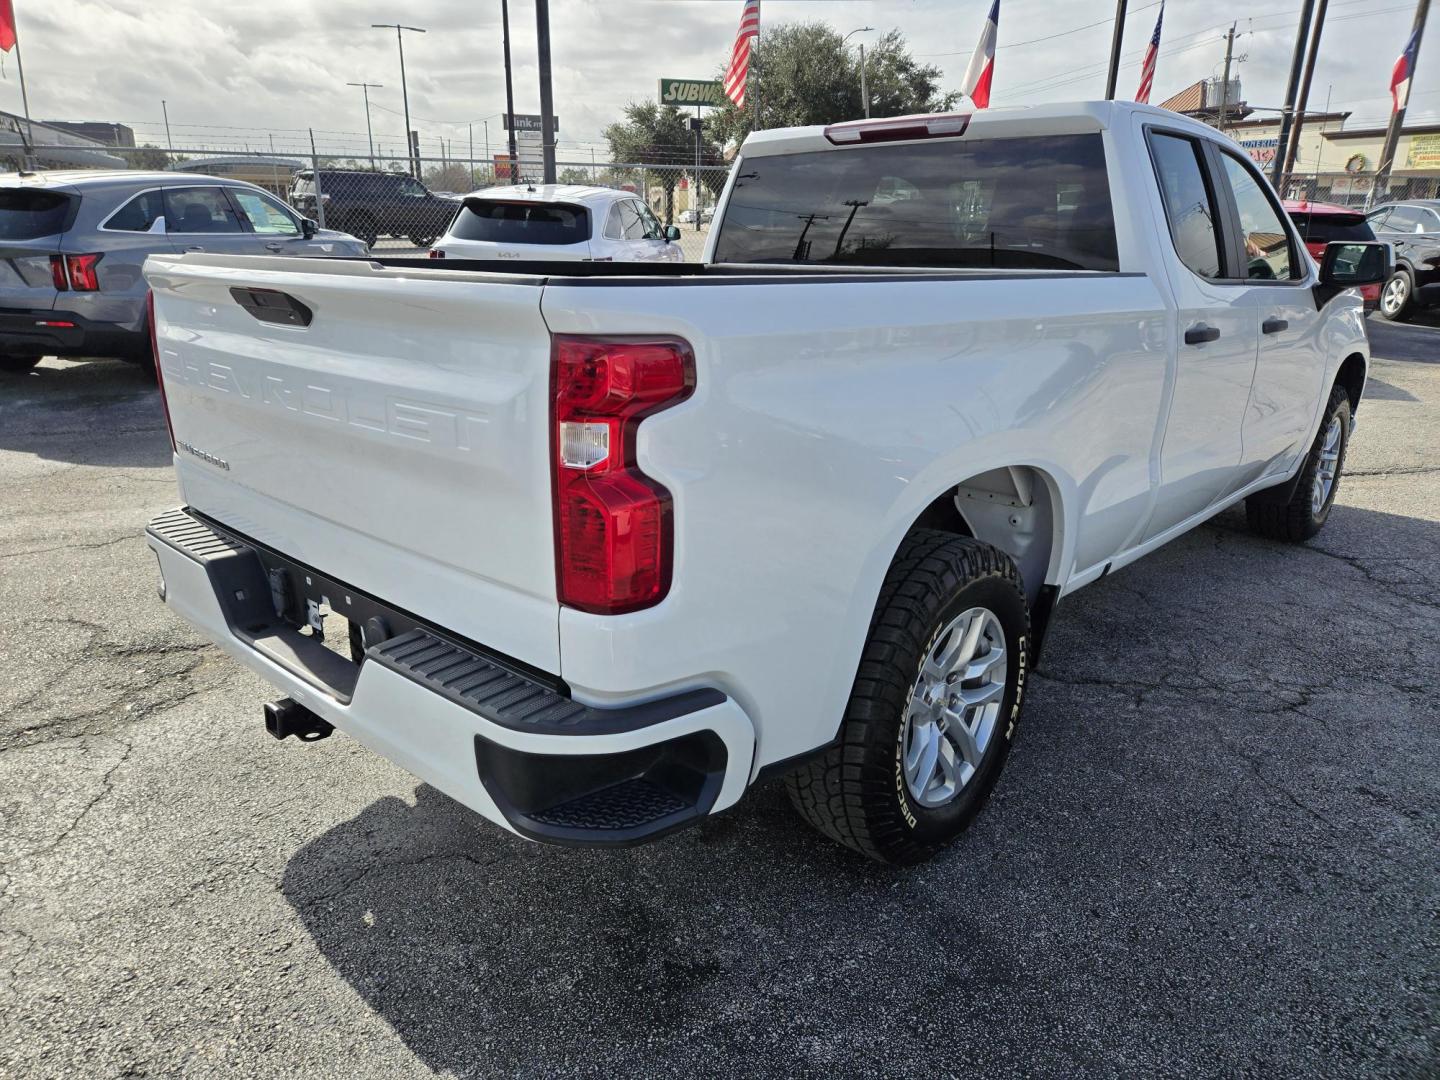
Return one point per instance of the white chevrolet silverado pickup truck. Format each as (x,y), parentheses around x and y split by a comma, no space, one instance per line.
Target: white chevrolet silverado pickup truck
(610,543)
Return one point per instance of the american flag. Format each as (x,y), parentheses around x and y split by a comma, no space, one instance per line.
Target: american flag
(1147,66)
(740,54)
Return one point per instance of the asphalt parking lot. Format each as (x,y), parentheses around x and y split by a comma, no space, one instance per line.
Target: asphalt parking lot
(1215,850)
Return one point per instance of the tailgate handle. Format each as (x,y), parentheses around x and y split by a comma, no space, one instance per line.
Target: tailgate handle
(273,306)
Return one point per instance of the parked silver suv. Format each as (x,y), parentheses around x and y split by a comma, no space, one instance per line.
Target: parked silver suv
(72,244)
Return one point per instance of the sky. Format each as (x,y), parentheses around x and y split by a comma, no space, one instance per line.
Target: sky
(241,74)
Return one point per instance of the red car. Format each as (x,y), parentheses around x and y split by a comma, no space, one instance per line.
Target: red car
(1320,223)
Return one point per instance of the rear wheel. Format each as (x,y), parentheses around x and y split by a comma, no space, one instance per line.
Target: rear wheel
(1397,297)
(934,705)
(17,365)
(1309,505)
(362,227)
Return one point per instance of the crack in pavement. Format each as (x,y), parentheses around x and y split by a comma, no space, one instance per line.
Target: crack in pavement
(75,547)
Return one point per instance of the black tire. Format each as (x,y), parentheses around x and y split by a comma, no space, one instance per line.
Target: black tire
(1400,283)
(422,241)
(17,365)
(362,227)
(1297,520)
(856,793)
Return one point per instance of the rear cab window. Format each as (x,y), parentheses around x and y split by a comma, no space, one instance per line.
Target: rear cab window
(1018,203)
(1189,203)
(30,213)
(500,222)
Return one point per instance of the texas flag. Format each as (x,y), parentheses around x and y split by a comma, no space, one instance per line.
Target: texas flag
(1404,68)
(976,84)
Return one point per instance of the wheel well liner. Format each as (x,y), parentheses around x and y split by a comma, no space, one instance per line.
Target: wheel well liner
(1352,377)
(1012,508)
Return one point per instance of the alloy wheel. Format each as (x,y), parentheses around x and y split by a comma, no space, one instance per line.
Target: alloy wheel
(953,708)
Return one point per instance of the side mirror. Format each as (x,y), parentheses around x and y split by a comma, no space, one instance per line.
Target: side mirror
(672,232)
(308,228)
(1346,265)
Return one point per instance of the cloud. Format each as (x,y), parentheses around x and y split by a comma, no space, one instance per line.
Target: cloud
(238,74)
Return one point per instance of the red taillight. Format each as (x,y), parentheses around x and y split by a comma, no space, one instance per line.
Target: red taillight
(437,253)
(83,277)
(57,273)
(159,372)
(614,538)
(936,126)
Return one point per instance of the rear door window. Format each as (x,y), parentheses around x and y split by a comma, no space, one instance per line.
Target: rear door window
(139,214)
(632,225)
(500,222)
(1189,202)
(30,213)
(1405,219)
(200,210)
(1032,202)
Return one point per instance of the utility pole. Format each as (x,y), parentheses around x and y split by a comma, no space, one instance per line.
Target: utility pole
(165,111)
(365,88)
(547,101)
(1115,40)
(1304,102)
(404,89)
(509,89)
(1287,118)
(1225,79)
(1397,118)
(864,90)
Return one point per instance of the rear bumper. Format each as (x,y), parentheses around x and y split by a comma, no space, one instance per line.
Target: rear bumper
(509,743)
(42,332)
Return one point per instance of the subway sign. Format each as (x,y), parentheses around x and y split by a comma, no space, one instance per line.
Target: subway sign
(692,92)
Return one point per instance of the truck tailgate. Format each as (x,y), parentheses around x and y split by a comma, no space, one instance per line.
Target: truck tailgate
(393,433)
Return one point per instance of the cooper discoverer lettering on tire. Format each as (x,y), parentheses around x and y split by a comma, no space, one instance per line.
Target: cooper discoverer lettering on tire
(934,707)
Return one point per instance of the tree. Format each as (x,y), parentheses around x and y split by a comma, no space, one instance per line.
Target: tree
(802,73)
(573,175)
(660,135)
(151,157)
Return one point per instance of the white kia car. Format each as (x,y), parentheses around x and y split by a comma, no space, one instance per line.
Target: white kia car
(558,222)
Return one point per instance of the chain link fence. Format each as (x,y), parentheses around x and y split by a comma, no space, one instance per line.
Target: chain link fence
(1358,190)
(400,207)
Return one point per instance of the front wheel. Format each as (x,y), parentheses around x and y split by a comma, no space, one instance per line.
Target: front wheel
(422,241)
(934,705)
(1309,505)
(1397,297)
(17,365)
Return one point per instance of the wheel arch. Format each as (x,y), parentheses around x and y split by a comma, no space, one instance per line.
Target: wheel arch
(1352,374)
(1016,508)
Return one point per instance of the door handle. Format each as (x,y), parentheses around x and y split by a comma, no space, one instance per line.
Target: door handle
(1274,326)
(275,245)
(195,247)
(1198,335)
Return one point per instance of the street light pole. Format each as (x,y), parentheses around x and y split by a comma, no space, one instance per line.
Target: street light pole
(509,90)
(547,101)
(365,88)
(1116,37)
(404,89)
(864,90)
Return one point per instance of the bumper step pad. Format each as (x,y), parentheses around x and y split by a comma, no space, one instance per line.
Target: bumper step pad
(576,797)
